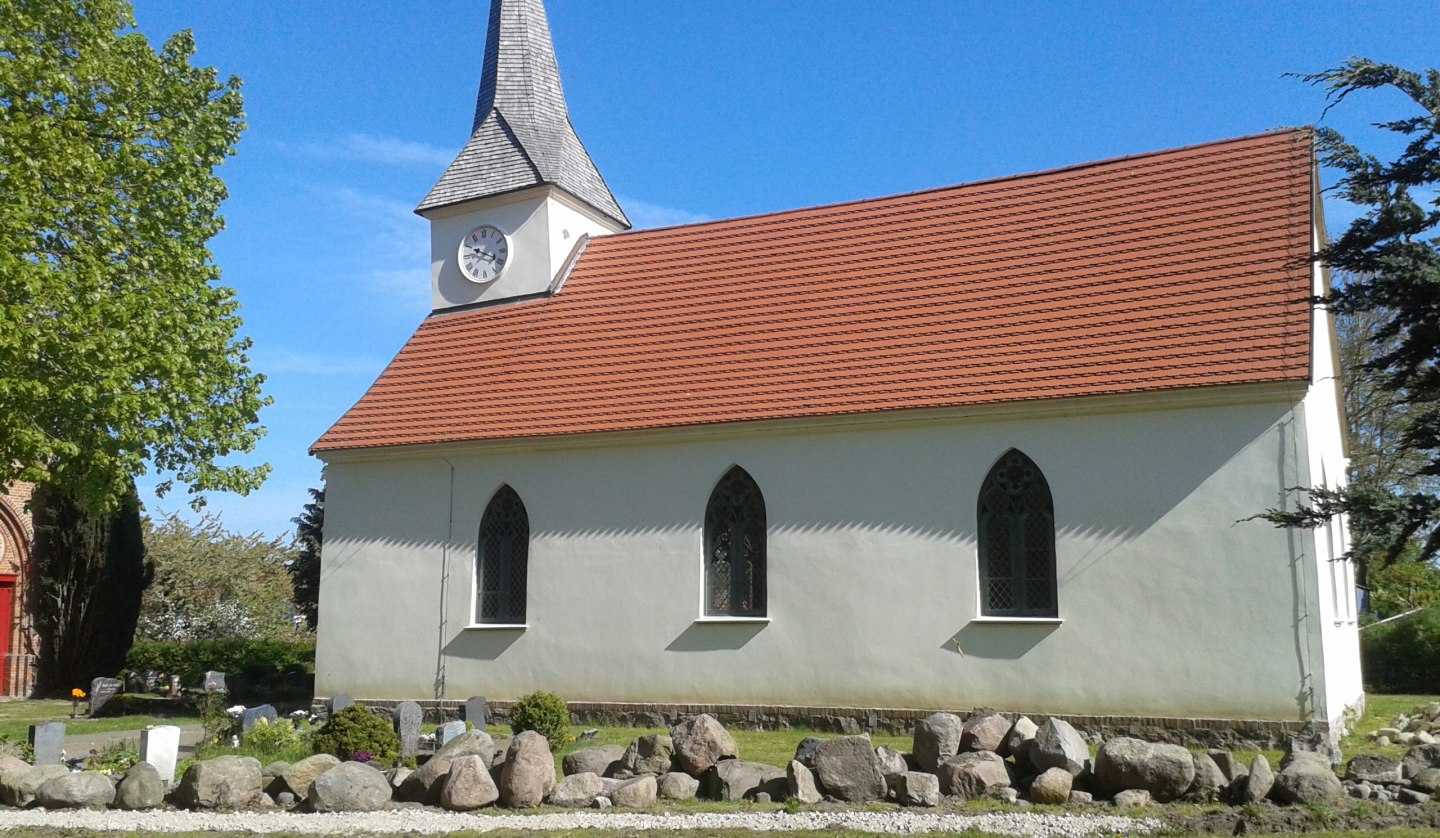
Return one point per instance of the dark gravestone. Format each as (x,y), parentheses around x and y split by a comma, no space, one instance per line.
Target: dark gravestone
(476,711)
(151,679)
(339,701)
(255,714)
(215,682)
(408,716)
(48,742)
(134,683)
(101,691)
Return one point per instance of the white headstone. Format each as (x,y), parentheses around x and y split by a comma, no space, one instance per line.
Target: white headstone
(160,746)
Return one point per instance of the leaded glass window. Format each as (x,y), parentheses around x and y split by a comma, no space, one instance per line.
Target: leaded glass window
(735,548)
(1017,540)
(502,560)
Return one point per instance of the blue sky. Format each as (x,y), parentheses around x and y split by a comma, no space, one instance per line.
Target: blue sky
(697,110)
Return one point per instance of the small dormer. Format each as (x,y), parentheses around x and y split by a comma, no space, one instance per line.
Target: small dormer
(511,211)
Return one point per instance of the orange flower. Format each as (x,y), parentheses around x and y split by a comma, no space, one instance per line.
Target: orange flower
(77,693)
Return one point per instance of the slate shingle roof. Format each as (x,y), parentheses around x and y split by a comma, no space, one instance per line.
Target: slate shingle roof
(1178,269)
(522,134)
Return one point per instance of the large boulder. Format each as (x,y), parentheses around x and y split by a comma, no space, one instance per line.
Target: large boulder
(528,773)
(1308,781)
(937,738)
(1426,780)
(1417,759)
(350,787)
(600,760)
(635,794)
(974,774)
(469,784)
(700,742)
(648,754)
(17,786)
(805,751)
(228,782)
(423,785)
(677,785)
(916,788)
(1019,739)
(299,775)
(140,788)
(800,783)
(846,768)
(985,732)
(577,791)
(736,779)
(1053,786)
(891,761)
(1209,779)
(1255,784)
(78,790)
(1373,768)
(1166,771)
(1057,744)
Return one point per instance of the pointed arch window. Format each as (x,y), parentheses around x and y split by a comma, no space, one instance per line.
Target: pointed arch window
(1016,520)
(735,548)
(502,560)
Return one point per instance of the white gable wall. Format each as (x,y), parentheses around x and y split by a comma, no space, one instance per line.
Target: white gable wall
(1168,606)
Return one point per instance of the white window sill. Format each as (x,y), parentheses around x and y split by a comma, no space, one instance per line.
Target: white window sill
(497,627)
(1023,621)
(733,620)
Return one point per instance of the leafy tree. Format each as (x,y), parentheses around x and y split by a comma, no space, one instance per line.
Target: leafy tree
(92,569)
(305,569)
(1391,261)
(212,584)
(118,347)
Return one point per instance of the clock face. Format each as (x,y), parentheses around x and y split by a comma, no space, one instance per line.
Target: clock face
(483,253)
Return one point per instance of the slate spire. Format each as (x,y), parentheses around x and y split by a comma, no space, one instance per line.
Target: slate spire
(522,134)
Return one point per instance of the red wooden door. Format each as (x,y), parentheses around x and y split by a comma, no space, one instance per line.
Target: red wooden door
(7,613)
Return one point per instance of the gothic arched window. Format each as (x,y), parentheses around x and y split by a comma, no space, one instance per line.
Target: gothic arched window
(502,559)
(735,548)
(1016,524)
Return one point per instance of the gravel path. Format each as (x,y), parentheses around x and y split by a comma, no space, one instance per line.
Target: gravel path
(433,821)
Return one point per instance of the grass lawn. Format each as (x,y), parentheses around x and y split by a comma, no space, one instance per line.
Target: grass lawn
(17,716)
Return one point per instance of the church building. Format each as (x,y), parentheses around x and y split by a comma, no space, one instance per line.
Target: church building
(990,445)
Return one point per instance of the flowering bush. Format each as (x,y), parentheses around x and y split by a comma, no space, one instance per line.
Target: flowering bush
(355,730)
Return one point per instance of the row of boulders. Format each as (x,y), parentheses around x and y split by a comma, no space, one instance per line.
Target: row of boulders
(1421,726)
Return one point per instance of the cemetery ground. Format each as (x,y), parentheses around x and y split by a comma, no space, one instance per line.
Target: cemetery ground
(16,717)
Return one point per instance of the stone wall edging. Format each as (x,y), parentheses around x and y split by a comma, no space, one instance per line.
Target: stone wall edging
(1190,732)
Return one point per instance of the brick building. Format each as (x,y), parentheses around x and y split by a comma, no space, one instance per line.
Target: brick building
(21,642)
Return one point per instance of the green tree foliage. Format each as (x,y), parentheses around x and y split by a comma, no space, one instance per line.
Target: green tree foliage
(91,570)
(305,569)
(118,347)
(212,584)
(1390,259)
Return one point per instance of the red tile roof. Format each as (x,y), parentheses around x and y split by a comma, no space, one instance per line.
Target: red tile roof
(1176,269)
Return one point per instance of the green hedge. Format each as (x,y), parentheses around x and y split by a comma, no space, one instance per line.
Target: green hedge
(255,659)
(1400,657)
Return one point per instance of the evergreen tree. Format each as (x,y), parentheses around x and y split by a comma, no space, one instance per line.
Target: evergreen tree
(305,570)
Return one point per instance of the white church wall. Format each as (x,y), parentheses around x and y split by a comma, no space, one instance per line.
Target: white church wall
(1169,603)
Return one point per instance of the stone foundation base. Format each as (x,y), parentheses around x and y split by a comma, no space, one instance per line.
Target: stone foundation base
(1193,733)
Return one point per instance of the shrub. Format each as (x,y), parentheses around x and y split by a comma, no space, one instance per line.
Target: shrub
(545,713)
(255,659)
(356,730)
(1400,657)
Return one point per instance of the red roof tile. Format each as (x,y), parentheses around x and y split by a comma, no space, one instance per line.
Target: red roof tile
(1177,269)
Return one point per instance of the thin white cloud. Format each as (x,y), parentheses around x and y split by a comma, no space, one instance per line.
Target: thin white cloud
(369,148)
(396,249)
(295,362)
(645,215)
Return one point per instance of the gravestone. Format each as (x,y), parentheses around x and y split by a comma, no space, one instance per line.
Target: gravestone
(174,686)
(448,731)
(160,746)
(151,679)
(215,682)
(339,701)
(101,691)
(135,682)
(48,742)
(254,714)
(476,710)
(408,716)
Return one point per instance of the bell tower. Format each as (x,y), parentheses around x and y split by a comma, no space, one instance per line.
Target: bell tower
(514,208)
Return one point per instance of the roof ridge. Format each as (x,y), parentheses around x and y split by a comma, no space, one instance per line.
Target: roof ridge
(1275,133)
